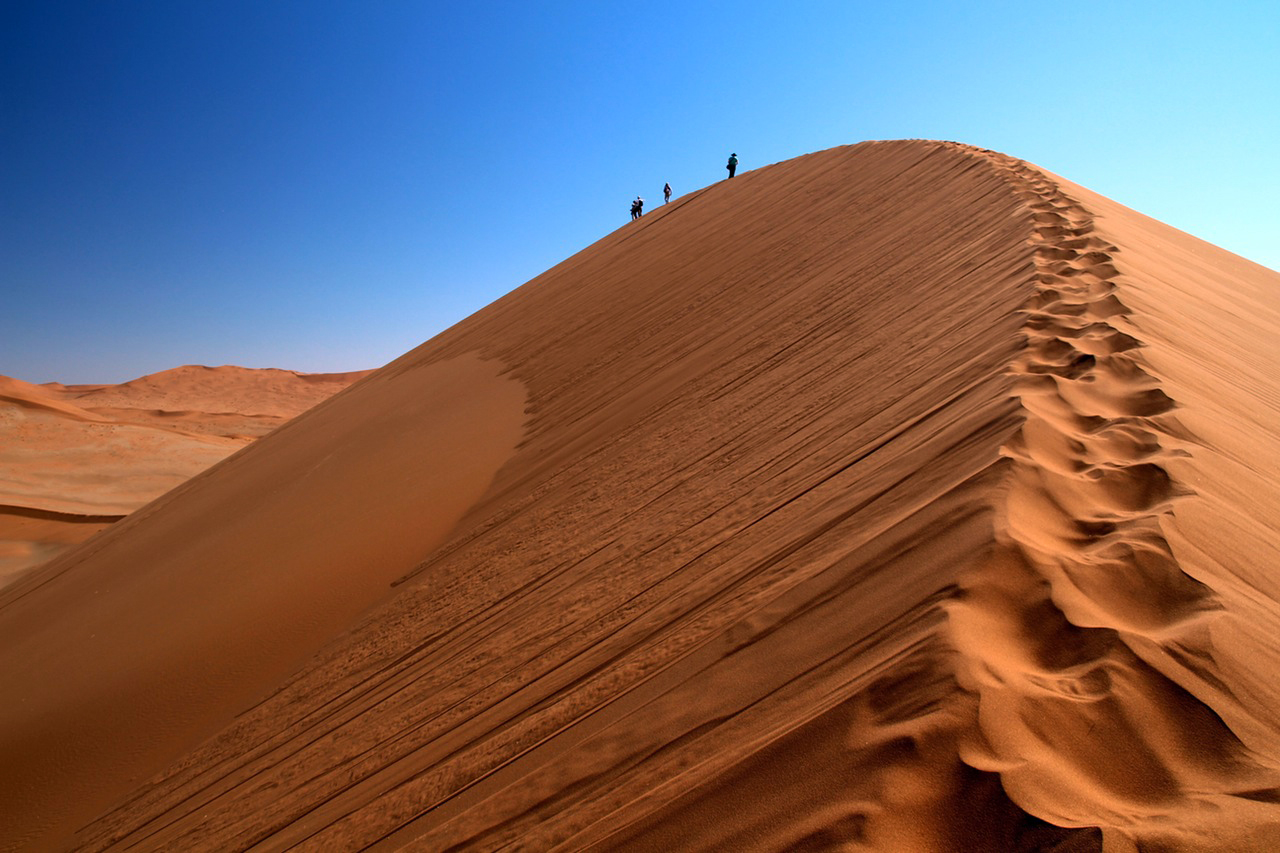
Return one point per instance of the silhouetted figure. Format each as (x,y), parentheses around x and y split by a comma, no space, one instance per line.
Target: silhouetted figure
(637,208)
(666,193)
(732,165)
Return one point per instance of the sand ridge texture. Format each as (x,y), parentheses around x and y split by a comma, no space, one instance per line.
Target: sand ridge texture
(900,496)
(76,458)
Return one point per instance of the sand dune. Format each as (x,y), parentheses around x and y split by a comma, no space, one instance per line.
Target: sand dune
(238,390)
(74,459)
(901,496)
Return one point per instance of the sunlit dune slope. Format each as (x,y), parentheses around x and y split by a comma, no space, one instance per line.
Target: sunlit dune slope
(75,458)
(896,497)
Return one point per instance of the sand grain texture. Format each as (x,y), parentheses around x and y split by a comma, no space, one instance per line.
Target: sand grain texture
(901,496)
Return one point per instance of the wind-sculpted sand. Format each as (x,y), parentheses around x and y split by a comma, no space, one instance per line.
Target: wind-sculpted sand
(1120,640)
(901,496)
(75,458)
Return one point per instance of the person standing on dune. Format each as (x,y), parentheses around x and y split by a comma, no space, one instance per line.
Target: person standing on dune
(666,193)
(732,165)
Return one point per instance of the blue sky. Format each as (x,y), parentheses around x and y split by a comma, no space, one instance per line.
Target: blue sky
(323,185)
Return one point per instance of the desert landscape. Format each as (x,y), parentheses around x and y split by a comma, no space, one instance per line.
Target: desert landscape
(74,459)
(902,496)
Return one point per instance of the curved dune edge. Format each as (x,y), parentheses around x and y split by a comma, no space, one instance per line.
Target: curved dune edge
(166,625)
(1089,645)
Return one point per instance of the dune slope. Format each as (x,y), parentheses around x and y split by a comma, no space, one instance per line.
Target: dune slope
(162,627)
(875,499)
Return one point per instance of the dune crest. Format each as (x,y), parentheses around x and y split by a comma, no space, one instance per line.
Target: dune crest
(896,497)
(1079,631)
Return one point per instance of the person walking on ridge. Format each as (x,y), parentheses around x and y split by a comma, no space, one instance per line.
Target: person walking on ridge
(732,165)
(637,208)
(666,193)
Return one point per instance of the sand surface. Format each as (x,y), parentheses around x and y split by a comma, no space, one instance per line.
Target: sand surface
(74,459)
(901,496)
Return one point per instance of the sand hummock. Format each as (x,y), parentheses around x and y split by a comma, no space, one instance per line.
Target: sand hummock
(901,496)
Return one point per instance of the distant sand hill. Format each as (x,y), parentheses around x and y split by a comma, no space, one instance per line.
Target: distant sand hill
(898,497)
(75,458)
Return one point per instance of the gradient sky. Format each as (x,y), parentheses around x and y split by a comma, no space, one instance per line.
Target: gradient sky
(321,185)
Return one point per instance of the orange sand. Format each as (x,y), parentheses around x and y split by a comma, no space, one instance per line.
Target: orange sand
(73,459)
(901,496)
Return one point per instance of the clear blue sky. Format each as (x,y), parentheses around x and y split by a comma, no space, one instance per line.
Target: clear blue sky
(322,185)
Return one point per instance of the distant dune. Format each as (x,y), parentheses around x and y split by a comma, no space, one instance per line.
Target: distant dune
(901,497)
(76,458)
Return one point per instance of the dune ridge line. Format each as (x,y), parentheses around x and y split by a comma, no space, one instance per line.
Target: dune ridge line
(1074,631)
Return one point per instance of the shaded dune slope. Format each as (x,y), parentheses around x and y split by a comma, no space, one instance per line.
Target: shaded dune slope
(858,503)
(129,649)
